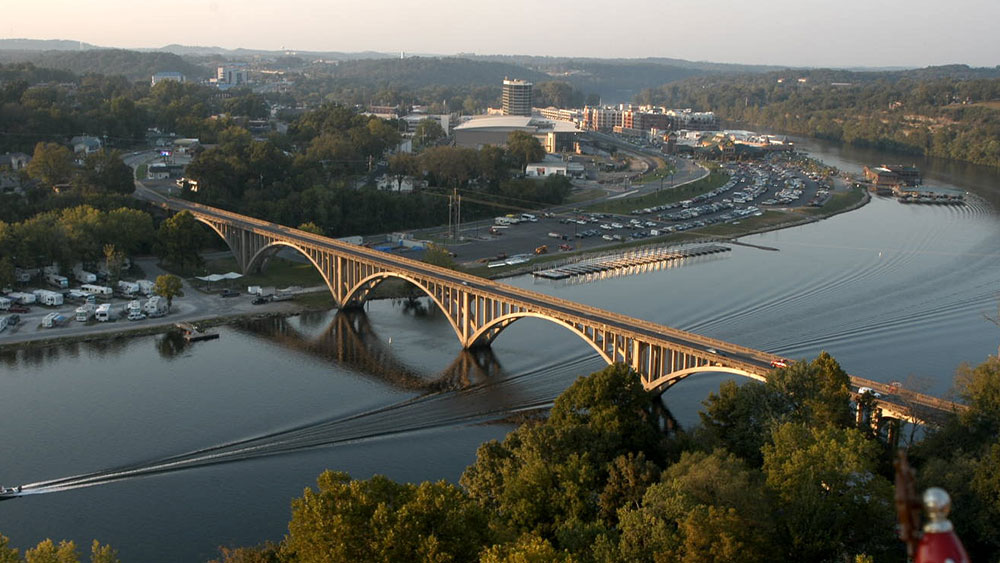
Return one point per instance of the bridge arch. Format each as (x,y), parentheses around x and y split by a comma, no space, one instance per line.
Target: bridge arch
(359,293)
(666,381)
(269,250)
(486,334)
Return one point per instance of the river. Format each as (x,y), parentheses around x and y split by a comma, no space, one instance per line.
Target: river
(212,440)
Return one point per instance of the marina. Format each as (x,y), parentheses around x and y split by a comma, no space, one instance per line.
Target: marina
(630,260)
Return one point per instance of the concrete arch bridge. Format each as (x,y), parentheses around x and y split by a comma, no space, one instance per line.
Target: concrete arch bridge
(479,310)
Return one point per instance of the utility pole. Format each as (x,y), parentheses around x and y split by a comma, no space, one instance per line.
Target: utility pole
(995,320)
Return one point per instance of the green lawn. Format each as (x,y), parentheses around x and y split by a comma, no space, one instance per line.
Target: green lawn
(279,272)
(662,197)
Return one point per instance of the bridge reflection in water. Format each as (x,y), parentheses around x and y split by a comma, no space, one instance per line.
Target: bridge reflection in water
(350,340)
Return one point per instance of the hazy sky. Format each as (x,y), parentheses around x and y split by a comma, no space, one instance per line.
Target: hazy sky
(840,33)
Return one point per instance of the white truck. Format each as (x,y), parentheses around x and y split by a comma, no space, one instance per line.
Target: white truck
(260,291)
(49,298)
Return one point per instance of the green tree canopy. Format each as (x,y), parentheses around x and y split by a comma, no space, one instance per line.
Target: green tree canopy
(379,520)
(168,286)
(524,148)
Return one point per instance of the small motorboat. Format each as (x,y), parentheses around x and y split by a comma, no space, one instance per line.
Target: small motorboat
(9,492)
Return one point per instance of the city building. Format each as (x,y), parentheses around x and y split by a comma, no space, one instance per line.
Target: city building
(232,75)
(14,160)
(555,136)
(161,76)
(516,97)
(85,145)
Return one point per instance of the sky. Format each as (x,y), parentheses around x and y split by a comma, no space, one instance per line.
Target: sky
(816,33)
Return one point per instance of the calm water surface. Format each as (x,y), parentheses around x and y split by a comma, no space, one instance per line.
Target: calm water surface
(213,440)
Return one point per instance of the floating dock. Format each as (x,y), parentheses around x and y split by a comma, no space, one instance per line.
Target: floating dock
(194,334)
(649,256)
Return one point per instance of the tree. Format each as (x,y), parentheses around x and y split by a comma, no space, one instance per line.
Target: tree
(706,507)
(51,163)
(48,552)
(427,131)
(311,227)
(169,286)
(819,392)
(439,256)
(524,148)
(180,241)
(380,520)
(6,272)
(826,480)
(105,172)
(114,259)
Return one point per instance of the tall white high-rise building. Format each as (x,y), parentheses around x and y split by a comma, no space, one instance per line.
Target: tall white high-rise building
(516,97)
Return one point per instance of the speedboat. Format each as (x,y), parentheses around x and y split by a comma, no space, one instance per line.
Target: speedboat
(10,492)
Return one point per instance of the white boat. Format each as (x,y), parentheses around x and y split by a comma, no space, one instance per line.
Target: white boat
(10,492)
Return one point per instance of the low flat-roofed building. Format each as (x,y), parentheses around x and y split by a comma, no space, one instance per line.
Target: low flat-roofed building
(555,136)
(162,76)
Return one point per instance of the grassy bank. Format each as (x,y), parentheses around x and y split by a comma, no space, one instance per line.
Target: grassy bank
(279,272)
(667,195)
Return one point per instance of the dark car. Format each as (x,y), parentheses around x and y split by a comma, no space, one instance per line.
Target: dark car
(229,293)
(19,309)
(260,300)
(13,319)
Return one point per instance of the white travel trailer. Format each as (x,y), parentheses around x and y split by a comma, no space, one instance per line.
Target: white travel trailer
(156,306)
(83,276)
(104,313)
(22,298)
(96,289)
(50,298)
(53,320)
(146,287)
(55,280)
(85,312)
(127,287)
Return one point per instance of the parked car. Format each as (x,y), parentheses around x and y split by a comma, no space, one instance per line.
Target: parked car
(13,319)
(260,300)
(136,315)
(780,363)
(19,309)
(229,293)
(869,391)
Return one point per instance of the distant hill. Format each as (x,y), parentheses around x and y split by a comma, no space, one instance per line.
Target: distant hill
(419,72)
(186,50)
(44,45)
(112,62)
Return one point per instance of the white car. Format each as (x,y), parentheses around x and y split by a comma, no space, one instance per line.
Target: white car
(136,316)
(870,391)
